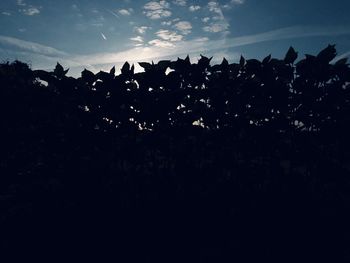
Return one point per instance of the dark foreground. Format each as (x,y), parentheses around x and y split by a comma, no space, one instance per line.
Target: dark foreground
(83,177)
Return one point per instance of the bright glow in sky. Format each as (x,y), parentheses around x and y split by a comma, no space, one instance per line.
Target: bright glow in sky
(99,34)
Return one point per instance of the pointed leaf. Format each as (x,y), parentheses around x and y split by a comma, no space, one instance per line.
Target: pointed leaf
(88,76)
(112,71)
(204,61)
(291,56)
(145,65)
(267,59)
(59,71)
(187,59)
(242,61)
(125,69)
(327,54)
(224,62)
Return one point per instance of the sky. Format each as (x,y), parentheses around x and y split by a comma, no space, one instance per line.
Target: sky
(97,34)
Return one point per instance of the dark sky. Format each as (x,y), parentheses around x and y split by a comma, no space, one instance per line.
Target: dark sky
(98,34)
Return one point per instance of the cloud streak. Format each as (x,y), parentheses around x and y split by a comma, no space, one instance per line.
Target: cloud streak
(205,45)
(162,48)
(344,55)
(30,46)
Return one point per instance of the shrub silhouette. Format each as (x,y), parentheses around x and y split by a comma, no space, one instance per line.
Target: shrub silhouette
(240,161)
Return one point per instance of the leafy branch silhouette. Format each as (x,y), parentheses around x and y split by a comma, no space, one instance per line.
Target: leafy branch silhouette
(222,152)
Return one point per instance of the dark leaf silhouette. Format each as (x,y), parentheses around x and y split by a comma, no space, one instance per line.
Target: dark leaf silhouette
(88,76)
(291,56)
(126,68)
(242,61)
(328,54)
(112,71)
(266,59)
(224,63)
(59,71)
(147,66)
(226,154)
(204,62)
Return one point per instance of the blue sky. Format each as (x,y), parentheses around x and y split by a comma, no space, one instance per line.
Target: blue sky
(99,34)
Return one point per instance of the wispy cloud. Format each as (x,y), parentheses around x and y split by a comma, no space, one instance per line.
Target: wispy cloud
(169,35)
(180,2)
(159,48)
(31,11)
(137,39)
(30,46)
(125,12)
(289,33)
(237,2)
(344,55)
(28,10)
(161,43)
(205,19)
(166,23)
(215,8)
(21,3)
(184,27)
(216,27)
(157,10)
(219,23)
(194,8)
(6,13)
(233,3)
(141,29)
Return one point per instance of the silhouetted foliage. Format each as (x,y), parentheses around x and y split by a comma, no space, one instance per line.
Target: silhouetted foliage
(206,163)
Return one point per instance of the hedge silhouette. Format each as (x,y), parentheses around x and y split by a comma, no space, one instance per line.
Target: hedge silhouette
(243,161)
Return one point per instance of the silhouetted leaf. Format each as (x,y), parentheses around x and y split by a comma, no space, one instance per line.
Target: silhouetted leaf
(327,54)
(146,66)
(267,59)
(125,69)
(204,62)
(88,76)
(224,63)
(187,59)
(112,71)
(59,71)
(242,61)
(291,56)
